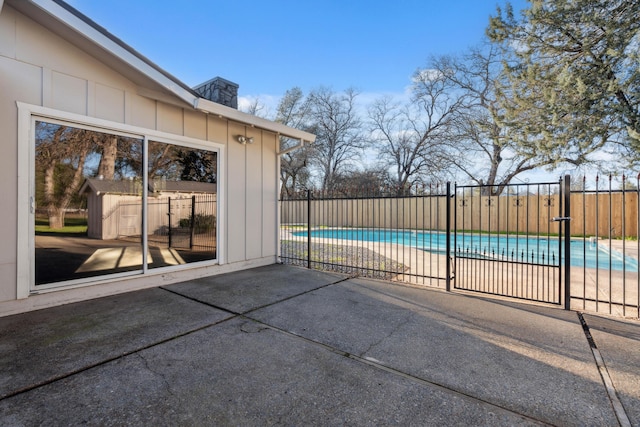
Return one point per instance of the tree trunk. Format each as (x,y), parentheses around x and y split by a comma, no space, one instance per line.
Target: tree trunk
(56,217)
(107,167)
(56,210)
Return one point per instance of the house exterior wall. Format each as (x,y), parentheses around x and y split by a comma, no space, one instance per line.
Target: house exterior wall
(39,68)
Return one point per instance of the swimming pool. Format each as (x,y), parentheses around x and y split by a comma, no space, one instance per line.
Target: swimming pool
(538,250)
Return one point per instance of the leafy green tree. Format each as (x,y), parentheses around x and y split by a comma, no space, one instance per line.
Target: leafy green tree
(197,165)
(573,84)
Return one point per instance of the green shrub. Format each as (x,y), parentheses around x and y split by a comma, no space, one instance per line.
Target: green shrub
(201,223)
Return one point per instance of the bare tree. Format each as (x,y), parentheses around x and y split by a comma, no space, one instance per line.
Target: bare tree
(482,146)
(371,180)
(256,108)
(414,137)
(61,152)
(339,133)
(294,110)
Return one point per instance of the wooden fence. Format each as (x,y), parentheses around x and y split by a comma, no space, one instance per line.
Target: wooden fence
(593,214)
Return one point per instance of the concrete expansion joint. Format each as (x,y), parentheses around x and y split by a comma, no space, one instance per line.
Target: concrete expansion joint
(618,408)
(105,361)
(377,364)
(289,297)
(381,366)
(226,310)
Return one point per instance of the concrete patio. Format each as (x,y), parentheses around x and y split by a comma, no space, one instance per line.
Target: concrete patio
(282,345)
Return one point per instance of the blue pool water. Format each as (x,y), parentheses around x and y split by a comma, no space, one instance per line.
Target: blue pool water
(512,248)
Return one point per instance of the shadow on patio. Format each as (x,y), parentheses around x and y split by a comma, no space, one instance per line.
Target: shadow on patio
(285,345)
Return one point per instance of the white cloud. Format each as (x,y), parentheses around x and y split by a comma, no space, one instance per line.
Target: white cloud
(267,104)
(426,75)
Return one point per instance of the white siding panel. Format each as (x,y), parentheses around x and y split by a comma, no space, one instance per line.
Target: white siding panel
(8,32)
(269,194)
(140,111)
(68,93)
(254,196)
(109,103)
(236,199)
(8,274)
(217,129)
(195,124)
(170,119)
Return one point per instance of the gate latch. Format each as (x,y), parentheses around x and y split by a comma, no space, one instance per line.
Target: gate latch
(561,218)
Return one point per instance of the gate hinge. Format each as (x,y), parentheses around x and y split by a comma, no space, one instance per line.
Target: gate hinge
(561,218)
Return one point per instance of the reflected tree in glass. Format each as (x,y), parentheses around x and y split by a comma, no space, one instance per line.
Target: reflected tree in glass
(84,180)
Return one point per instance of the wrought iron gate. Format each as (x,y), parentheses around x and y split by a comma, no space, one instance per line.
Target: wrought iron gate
(508,240)
(517,241)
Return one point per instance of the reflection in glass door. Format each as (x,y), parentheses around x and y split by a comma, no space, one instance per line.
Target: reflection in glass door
(92,198)
(88,203)
(182,204)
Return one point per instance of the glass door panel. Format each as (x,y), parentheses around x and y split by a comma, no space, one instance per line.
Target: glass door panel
(182,204)
(88,203)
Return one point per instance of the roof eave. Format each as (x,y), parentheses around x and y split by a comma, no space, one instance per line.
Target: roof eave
(106,41)
(94,33)
(211,107)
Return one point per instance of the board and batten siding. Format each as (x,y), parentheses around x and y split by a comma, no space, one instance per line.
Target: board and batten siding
(39,68)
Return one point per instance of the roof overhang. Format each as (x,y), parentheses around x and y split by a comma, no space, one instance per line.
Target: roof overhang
(211,107)
(153,81)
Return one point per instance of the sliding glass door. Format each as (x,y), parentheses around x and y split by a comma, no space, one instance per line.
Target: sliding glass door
(182,204)
(98,211)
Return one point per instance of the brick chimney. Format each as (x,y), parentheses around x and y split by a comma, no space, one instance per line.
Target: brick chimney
(219,90)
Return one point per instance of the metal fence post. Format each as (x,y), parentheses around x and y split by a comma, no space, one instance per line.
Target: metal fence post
(309,229)
(448,250)
(192,222)
(169,215)
(567,242)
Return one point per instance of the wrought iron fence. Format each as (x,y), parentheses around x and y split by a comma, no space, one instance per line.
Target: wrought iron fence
(184,222)
(415,236)
(605,230)
(508,244)
(371,233)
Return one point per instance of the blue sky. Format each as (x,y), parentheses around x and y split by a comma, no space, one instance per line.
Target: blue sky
(268,47)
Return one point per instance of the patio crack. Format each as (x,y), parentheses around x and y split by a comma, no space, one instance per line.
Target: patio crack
(167,384)
(400,325)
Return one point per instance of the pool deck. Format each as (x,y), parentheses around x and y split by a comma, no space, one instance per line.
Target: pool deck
(588,285)
(282,345)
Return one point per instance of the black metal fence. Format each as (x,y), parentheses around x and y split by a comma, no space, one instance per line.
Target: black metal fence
(509,245)
(184,222)
(605,230)
(375,233)
(519,244)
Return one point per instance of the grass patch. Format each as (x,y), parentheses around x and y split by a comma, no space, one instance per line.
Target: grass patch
(72,226)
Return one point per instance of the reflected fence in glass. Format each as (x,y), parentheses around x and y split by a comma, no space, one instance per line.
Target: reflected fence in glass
(90,202)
